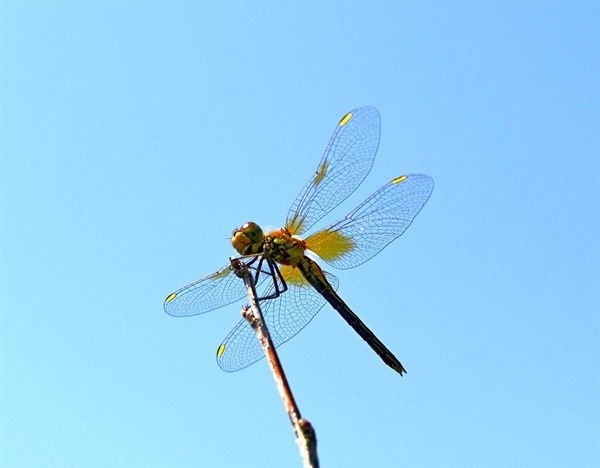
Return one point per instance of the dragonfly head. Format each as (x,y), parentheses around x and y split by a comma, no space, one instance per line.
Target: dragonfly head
(248,239)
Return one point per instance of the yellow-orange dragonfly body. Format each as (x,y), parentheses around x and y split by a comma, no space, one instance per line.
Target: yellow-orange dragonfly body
(347,243)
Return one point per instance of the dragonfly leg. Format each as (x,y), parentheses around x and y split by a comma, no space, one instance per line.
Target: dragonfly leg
(279,284)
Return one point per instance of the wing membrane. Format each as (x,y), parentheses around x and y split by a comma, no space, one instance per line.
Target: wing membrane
(346,161)
(285,317)
(206,294)
(371,226)
(209,293)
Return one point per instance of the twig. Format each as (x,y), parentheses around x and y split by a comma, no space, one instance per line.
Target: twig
(306,437)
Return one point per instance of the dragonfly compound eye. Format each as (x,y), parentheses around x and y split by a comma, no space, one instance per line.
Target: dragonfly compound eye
(247,239)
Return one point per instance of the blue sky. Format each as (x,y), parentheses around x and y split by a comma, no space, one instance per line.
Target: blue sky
(137,135)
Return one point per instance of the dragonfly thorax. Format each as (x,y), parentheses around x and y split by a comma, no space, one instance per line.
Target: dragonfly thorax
(284,248)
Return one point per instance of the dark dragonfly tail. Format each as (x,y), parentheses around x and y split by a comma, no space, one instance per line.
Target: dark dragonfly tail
(314,275)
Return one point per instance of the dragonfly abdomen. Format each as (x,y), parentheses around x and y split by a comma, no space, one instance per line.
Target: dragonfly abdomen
(314,275)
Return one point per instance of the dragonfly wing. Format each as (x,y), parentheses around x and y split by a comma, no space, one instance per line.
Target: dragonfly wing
(209,293)
(285,316)
(380,219)
(346,161)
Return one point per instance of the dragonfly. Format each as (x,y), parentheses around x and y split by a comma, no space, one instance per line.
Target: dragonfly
(288,271)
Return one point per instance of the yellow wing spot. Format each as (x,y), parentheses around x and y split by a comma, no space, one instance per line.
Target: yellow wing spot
(221,350)
(330,245)
(170,297)
(295,224)
(321,172)
(345,119)
(399,180)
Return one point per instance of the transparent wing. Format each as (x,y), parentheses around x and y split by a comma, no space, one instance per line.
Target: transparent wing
(370,227)
(209,293)
(346,161)
(206,294)
(285,317)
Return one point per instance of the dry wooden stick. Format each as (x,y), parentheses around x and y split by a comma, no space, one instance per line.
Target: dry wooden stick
(306,437)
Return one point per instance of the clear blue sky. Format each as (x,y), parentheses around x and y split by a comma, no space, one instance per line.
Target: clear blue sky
(136,135)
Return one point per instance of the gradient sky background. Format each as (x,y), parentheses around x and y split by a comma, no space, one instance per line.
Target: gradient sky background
(136,136)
